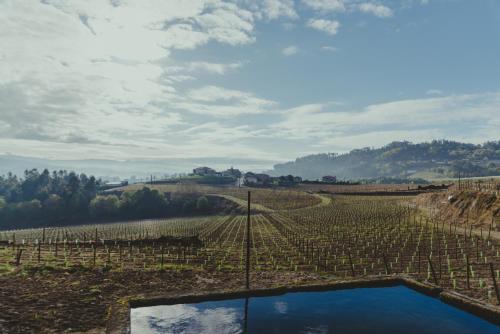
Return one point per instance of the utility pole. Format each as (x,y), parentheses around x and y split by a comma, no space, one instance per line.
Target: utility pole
(247,281)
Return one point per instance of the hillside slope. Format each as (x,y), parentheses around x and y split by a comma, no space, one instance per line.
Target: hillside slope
(400,159)
(465,208)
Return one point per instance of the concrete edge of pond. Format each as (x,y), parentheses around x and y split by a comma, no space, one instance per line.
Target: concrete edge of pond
(118,320)
(482,310)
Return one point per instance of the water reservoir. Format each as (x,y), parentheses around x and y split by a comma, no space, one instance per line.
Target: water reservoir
(365,310)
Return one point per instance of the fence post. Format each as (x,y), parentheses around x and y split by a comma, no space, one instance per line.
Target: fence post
(162,251)
(247,267)
(39,251)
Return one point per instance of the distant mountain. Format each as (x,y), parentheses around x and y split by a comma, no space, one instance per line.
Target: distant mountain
(436,159)
(109,169)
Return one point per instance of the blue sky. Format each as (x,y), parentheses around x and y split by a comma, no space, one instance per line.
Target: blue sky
(268,80)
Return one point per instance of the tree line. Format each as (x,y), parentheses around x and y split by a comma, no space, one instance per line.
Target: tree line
(67,198)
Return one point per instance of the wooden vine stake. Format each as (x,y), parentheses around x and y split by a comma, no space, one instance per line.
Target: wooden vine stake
(387,271)
(352,265)
(495,283)
(18,256)
(432,270)
(467,270)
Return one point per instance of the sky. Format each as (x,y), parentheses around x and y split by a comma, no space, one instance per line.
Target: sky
(269,80)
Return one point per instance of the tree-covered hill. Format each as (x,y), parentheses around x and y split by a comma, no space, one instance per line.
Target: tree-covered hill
(439,158)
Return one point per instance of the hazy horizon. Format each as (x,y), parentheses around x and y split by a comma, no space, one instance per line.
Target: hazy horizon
(267,80)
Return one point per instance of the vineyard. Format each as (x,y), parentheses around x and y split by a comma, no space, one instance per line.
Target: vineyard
(483,185)
(358,188)
(349,237)
(275,199)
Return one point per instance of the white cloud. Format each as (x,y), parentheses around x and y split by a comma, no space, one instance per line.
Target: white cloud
(339,6)
(290,50)
(434,92)
(96,80)
(72,64)
(376,9)
(273,9)
(327,26)
(427,118)
(213,67)
(326,5)
(329,48)
(222,102)
(281,307)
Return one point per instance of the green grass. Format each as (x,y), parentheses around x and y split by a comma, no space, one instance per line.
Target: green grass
(6,269)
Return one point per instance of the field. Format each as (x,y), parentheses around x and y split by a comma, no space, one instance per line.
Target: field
(349,237)
(358,188)
(76,274)
(275,199)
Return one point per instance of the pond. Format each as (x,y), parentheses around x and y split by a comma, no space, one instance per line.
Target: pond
(365,310)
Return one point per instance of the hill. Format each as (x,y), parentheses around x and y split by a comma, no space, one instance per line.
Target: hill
(436,159)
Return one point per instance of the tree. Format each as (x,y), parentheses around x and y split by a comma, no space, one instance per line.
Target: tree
(202,204)
(144,203)
(53,208)
(103,207)
(29,211)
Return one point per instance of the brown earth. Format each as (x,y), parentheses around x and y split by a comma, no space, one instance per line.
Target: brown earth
(464,207)
(80,301)
(94,301)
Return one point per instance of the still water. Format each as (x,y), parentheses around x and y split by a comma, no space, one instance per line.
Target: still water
(368,310)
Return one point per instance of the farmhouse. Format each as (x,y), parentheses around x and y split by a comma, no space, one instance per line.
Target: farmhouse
(204,171)
(256,179)
(232,172)
(329,179)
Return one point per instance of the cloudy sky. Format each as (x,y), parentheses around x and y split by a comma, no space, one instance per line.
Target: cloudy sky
(267,79)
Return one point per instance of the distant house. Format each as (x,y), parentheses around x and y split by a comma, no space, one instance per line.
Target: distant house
(232,172)
(204,171)
(264,179)
(329,179)
(116,184)
(252,179)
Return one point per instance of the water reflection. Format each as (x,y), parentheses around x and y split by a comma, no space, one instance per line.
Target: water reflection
(281,307)
(376,310)
(187,319)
